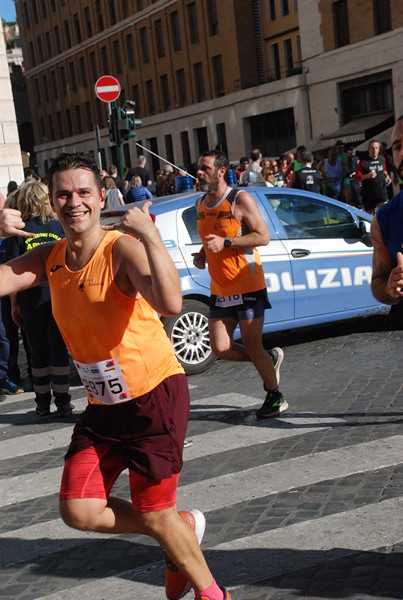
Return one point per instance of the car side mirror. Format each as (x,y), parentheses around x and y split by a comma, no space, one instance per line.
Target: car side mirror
(364,232)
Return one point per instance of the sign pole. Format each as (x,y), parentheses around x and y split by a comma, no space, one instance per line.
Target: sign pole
(113,111)
(98,140)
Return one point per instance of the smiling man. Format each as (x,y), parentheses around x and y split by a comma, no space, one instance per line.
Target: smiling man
(106,289)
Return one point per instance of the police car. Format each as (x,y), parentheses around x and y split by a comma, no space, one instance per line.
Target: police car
(317,265)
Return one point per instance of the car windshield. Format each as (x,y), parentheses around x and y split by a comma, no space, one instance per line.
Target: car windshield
(311,218)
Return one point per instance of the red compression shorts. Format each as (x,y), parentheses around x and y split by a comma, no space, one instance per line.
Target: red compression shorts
(92,472)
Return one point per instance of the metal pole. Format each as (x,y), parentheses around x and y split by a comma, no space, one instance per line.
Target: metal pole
(98,140)
(164,159)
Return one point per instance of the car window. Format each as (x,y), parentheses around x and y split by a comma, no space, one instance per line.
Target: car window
(310,218)
(189,217)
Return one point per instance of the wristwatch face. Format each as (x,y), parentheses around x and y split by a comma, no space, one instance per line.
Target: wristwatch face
(227,243)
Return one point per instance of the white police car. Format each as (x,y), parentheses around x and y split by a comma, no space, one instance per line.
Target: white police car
(317,265)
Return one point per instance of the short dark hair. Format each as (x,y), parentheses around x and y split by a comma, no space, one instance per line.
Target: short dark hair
(306,156)
(12,186)
(256,154)
(220,158)
(243,159)
(301,149)
(76,160)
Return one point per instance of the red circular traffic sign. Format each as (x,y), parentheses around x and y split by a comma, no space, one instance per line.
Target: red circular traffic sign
(107,88)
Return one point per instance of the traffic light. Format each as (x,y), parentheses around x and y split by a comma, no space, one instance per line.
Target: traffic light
(123,124)
(131,123)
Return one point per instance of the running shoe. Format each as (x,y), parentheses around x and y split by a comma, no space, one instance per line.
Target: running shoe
(8,386)
(273,405)
(226,595)
(277,356)
(177,584)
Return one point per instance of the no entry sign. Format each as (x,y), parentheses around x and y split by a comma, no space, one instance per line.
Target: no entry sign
(107,88)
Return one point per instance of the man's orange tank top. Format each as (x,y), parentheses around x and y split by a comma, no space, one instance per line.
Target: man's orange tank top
(233,270)
(99,322)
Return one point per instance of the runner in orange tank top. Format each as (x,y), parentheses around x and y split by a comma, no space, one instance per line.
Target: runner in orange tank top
(231,227)
(106,290)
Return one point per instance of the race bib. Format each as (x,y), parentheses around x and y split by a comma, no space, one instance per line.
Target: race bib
(104,381)
(227,301)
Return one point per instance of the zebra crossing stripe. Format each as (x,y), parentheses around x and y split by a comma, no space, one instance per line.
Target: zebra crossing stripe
(218,492)
(19,488)
(206,443)
(265,555)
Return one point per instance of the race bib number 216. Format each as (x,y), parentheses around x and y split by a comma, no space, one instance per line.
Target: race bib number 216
(104,381)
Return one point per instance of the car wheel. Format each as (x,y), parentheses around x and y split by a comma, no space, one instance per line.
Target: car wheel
(188,332)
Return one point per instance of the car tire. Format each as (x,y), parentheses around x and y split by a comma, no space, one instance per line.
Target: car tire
(188,332)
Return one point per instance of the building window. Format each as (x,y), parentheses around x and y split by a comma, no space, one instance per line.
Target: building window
(69,123)
(150,97)
(26,15)
(199,82)
(212,17)
(104,59)
(218,76)
(192,21)
(202,139)
(169,148)
(285,9)
(99,13)
(42,129)
(88,21)
(288,58)
(341,29)
(93,66)
(166,101)
(53,5)
(54,84)
(45,88)
(79,125)
(125,8)
(51,127)
(181,87)
(175,33)
(59,125)
(67,37)
(88,115)
(35,11)
(48,45)
(116,56)
(271,9)
(73,79)
(136,98)
(221,138)
(77,28)
(83,72)
(62,78)
(365,96)
(38,98)
(275,62)
(144,45)
(112,12)
(44,10)
(130,57)
(40,48)
(32,53)
(58,39)
(159,38)
(185,148)
(382,16)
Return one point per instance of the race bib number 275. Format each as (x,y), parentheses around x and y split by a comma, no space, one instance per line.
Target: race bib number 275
(104,381)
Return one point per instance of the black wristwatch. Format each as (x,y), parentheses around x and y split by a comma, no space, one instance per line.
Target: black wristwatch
(227,243)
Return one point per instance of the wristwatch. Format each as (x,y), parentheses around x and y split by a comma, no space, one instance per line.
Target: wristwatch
(227,243)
